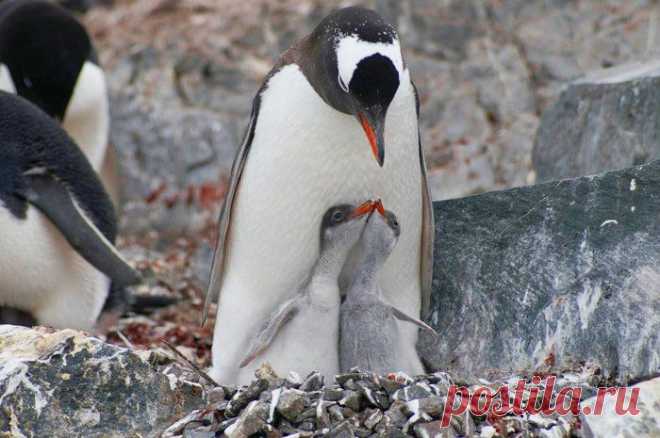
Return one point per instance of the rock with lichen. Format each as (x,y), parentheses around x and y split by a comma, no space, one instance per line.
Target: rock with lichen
(65,383)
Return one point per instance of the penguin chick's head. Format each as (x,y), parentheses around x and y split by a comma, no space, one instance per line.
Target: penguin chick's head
(381,233)
(361,61)
(342,225)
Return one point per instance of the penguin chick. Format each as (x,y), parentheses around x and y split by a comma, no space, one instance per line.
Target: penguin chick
(302,334)
(57,223)
(370,337)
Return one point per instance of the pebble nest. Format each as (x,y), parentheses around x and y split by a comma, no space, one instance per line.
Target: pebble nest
(360,404)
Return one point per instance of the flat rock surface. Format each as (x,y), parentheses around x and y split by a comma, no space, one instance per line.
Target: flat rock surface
(606,120)
(64,383)
(565,272)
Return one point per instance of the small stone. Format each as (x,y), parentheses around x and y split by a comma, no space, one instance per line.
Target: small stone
(307,426)
(242,398)
(351,400)
(216,395)
(293,380)
(252,420)
(321,413)
(312,398)
(307,414)
(227,424)
(413,392)
(336,414)
(291,404)
(199,432)
(333,393)
(390,432)
(266,372)
(343,379)
(488,432)
(287,428)
(397,414)
(343,430)
(313,382)
(361,432)
(372,418)
(434,430)
(347,412)
(389,384)
(432,406)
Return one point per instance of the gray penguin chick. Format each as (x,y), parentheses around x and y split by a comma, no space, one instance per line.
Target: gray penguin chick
(302,334)
(369,331)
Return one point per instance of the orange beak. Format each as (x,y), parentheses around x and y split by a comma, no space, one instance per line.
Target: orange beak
(374,136)
(378,206)
(362,209)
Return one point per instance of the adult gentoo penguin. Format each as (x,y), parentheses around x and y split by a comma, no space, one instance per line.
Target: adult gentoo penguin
(47,57)
(57,223)
(335,121)
(369,331)
(302,334)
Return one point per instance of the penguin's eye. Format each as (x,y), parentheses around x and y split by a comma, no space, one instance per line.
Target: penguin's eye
(337,216)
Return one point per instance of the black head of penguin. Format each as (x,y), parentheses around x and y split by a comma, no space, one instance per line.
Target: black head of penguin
(33,140)
(44,47)
(351,60)
(375,79)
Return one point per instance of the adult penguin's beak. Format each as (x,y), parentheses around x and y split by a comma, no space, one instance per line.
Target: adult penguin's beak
(373,123)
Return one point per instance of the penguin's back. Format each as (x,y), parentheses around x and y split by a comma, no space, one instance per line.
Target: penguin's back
(369,337)
(40,144)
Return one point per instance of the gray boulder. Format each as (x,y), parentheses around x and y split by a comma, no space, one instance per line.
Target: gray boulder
(605,121)
(645,423)
(567,271)
(64,383)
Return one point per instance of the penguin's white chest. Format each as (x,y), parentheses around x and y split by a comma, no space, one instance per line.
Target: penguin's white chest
(87,118)
(305,158)
(41,274)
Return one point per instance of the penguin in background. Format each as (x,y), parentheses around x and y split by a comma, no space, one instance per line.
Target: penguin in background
(335,121)
(47,57)
(57,224)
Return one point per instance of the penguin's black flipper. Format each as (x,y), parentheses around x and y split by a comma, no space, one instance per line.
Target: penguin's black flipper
(53,199)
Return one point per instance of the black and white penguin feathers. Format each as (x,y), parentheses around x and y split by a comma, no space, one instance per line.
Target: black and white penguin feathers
(335,121)
(47,57)
(57,223)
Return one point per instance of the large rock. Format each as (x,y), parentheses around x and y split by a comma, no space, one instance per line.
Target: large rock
(64,383)
(646,422)
(570,268)
(607,120)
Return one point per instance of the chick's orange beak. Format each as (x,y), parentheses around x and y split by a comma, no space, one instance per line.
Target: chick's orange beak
(378,206)
(364,208)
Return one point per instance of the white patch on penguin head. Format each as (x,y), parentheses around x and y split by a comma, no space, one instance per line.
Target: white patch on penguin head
(6,82)
(86,118)
(350,50)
